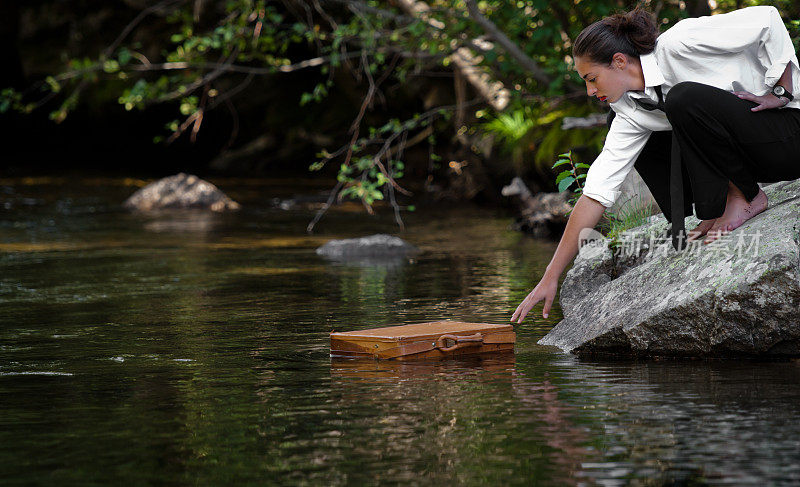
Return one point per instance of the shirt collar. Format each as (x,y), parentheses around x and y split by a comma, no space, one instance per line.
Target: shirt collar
(652,78)
(652,75)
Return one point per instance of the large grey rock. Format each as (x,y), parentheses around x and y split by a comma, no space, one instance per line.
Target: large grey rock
(373,246)
(737,296)
(181,191)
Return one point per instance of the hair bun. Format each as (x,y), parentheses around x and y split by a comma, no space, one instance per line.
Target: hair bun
(633,33)
(627,22)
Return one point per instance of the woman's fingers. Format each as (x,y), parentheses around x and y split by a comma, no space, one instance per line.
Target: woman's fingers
(525,307)
(548,302)
(767,104)
(518,311)
(544,291)
(522,310)
(764,102)
(519,314)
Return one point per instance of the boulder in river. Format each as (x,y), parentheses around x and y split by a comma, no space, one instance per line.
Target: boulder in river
(373,246)
(181,191)
(739,296)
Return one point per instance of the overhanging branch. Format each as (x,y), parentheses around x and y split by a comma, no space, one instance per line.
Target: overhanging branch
(493,91)
(510,47)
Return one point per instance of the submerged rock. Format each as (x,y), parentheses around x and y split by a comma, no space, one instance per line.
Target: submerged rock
(371,247)
(181,191)
(737,296)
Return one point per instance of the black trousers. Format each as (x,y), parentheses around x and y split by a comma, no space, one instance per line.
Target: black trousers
(721,140)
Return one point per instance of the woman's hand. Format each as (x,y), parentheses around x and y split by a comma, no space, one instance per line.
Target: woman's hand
(765,102)
(545,290)
(585,214)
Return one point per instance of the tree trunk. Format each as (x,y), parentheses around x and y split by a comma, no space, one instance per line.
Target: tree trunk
(11,74)
(698,8)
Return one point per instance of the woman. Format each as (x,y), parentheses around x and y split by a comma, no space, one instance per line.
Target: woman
(704,112)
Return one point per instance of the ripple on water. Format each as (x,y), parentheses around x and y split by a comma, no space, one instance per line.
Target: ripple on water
(37,372)
(203,352)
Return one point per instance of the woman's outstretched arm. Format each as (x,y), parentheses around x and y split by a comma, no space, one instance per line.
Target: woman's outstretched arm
(586,214)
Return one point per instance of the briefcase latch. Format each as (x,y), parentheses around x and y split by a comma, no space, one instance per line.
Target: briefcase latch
(448,343)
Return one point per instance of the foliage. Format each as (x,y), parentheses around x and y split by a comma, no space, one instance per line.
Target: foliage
(633,213)
(512,129)
(200,56)
(532,134)
(574,174)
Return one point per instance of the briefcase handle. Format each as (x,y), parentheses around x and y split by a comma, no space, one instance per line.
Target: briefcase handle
(448,343)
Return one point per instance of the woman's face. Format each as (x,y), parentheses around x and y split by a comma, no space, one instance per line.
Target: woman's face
(606,82)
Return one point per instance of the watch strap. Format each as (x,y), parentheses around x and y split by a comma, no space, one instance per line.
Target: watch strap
(780,91)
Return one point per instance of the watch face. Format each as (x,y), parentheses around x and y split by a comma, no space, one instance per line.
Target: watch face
(779,90)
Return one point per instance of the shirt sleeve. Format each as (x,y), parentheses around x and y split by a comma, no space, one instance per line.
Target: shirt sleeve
(757,29)
(778,51)
(623,145)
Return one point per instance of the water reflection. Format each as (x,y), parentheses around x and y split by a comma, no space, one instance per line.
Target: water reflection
(495,367)
(200,356)
(685,421)
(385,262)
(440,409)
(182,221)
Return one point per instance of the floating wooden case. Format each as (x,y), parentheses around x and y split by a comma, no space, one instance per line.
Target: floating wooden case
(436,340)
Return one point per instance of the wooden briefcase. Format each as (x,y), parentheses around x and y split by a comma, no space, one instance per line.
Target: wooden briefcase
(436,340)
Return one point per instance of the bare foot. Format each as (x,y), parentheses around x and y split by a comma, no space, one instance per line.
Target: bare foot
(737,211)
(700,230)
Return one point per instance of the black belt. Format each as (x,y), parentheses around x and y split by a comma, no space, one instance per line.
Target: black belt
(678,230)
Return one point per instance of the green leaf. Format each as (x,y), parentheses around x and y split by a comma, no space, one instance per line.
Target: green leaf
(110,66)
(565,183)
(582,165)
(561,162)
(54,85)
(124,56)
(563,175)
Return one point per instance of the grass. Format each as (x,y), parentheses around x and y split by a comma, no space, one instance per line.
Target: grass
(632,214)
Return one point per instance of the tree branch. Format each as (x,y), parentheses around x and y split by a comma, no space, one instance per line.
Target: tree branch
(468,63)
(509,46)
(136,21)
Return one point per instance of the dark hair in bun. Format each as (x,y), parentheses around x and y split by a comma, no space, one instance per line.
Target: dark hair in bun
(633,33)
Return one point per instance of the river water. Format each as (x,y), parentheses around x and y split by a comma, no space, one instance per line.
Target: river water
(192,349)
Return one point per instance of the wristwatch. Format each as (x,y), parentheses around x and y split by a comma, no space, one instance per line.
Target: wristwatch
(780,91)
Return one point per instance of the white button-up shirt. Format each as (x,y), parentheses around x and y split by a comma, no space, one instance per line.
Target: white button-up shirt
(750,46)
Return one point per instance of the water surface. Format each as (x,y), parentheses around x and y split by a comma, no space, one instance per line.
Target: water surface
(193,349)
